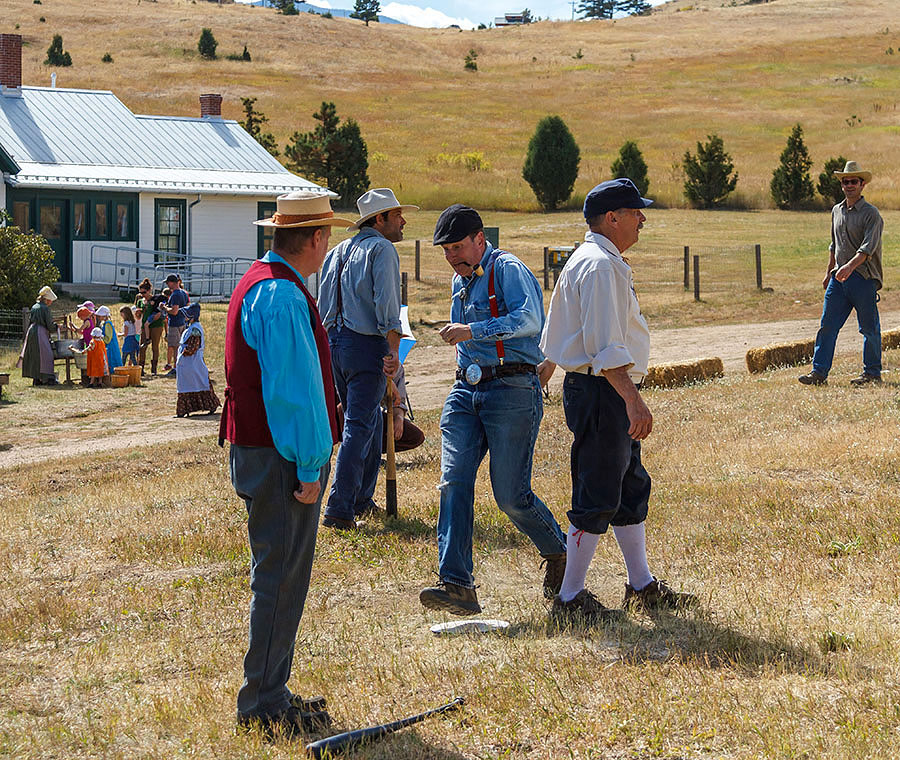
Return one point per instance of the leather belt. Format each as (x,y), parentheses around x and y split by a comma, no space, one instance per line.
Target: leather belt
(500,370)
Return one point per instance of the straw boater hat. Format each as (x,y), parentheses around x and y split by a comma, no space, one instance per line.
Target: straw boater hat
(377,201)
(47,292)
(303,208)
(851,169)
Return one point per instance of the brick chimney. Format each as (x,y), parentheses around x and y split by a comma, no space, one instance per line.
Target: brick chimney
(210,106)
(11,60)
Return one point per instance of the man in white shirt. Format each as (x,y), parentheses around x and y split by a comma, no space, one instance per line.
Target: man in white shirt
(595,331)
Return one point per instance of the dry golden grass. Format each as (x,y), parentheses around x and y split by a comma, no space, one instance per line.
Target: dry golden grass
(123,599)
(747,73)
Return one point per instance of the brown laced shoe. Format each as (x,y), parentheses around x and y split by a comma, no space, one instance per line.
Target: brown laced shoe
(289,724)
(865,378)
(449,597)
(584,609)
(338,523)
(554,569)
(813,378)
(309,704)
(658,595)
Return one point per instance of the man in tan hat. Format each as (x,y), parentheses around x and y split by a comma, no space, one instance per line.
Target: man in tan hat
(281,419)
(359,298)
(852,281)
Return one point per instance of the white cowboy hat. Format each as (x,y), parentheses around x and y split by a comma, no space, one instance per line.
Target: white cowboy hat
(377,201)
(47,292)
(303,208)
(851,169)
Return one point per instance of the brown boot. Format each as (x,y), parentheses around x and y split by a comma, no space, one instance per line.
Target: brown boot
(448,597)
(554,569)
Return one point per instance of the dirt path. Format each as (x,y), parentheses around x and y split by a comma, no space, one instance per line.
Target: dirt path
(79,421)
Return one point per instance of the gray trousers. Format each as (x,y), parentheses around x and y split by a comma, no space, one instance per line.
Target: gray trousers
(282,535)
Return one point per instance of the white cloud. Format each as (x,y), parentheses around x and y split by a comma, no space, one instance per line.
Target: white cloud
(320,3)
(427,17)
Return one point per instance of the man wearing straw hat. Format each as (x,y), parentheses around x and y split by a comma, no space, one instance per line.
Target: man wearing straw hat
(281,419)
(852,281)
(359,298)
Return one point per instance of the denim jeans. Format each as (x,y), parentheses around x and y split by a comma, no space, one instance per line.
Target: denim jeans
(609,483)
(840,299)
(357,361)
(282,535)
(501,416)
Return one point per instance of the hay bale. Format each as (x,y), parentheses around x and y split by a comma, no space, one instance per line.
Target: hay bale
(890,339)
(671,375)
(780,355)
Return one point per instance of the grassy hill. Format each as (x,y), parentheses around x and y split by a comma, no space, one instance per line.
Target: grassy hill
(747,72)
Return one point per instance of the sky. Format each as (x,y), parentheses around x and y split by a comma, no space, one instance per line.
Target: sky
(465,13)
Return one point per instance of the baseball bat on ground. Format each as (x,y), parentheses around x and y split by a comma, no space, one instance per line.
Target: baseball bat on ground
(390,467)
(340,742)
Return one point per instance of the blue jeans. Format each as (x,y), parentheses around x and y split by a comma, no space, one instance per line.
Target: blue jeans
(501,416)
(840,299)
(357,361)
(282,535)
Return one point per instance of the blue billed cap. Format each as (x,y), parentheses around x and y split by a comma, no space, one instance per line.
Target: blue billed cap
(612,195)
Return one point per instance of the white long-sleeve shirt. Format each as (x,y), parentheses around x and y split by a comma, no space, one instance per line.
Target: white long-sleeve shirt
(594,318)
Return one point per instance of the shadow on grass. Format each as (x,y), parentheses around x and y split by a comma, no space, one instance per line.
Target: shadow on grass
(405,743)
(687,636)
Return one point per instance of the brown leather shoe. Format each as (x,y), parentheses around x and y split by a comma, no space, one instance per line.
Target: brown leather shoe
(289,724)
(584,609)
(449,597)
(338,523)
(554,569)
(865,379)
(658,595)
(813,378)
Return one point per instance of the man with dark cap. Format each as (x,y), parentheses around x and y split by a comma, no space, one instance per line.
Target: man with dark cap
(595,331)
(496,312)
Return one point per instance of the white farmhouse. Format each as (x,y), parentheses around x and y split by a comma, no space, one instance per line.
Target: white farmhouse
(120,196)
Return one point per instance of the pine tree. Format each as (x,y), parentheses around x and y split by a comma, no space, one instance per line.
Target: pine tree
(56,56)
(634,7)
(334,154)
(551,163)
(366,10)
(597,8)
(710,175)
(791,185)
(829,186)
(631,164)
(207,44)
(286,7)
(253,121)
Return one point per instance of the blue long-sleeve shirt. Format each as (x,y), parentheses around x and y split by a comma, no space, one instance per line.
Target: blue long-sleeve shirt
(520,304)
(370,285)
(275,323)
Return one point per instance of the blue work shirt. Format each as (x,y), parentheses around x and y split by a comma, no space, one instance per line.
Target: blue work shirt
(275,323)
(180,299)
(370,285)
(520,304)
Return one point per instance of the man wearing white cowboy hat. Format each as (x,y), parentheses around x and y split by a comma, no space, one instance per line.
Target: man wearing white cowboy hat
(280,416)
(853,279)
(359,298)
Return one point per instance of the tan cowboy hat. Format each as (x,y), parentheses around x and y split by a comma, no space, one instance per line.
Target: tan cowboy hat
(47,292)
(303,208)
(851,169)
(377,201)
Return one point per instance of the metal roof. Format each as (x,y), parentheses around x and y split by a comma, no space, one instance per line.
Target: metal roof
(90,139)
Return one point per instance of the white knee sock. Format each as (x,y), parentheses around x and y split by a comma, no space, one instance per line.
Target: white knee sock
(580,548)
(633,543)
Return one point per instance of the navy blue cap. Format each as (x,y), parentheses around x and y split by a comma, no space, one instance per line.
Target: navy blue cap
(455,223)
(612,195)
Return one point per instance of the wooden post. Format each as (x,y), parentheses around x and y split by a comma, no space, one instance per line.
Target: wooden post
(404,288)
(418,254)
(687,267)
(546,269)
(758,266)
(696,278)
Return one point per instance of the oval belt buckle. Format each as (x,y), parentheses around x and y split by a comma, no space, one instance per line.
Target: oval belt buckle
(473,374)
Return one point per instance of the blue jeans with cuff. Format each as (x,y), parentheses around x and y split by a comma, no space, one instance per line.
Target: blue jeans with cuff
(282,535)
(856,292)
(358,364)
(501,416)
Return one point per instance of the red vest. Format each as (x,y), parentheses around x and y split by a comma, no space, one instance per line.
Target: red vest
(243,420)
